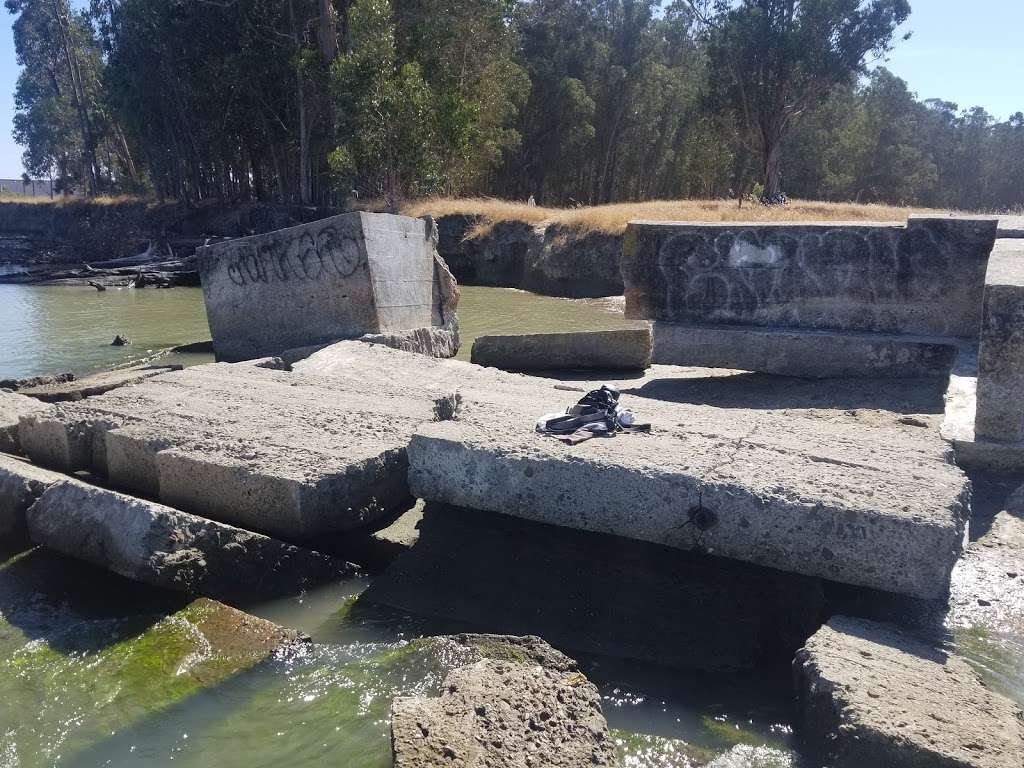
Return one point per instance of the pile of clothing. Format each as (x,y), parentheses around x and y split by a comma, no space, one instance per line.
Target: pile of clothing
(597,414)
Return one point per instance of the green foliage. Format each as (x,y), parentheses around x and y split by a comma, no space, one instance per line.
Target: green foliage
(592,101)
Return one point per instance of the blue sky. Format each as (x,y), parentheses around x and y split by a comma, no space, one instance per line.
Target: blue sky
(969,53)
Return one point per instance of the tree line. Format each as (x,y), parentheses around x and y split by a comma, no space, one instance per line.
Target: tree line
(568,101)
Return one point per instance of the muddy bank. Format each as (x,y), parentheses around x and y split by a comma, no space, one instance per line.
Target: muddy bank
(554,260)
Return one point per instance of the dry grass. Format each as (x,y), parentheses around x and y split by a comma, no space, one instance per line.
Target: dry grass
(612,219)
(60,200)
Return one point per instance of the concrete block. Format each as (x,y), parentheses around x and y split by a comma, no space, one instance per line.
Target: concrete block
(333,279)
(869,694)
(811,354)
(925,278)
(496,711)
(90,386)
(21,484)
(625,350)
(866,504)
(167,548)
(1000,407)
(12,407)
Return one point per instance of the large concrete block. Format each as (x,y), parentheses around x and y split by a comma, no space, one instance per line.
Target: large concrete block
(268,450)
(623,350)
(1000,411)
(869,694)
(505,709)
(870,505)
(167,548)
(333,279)
(21,484)
(12,407)
(792,352)
(925,278)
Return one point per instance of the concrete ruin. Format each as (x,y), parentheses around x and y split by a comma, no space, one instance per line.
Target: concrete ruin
(517,703)
(869,694)
(12,407)
(21,484)
(97,384)
(625,350)
(163,547)
(338,278)
(877,506)
(870,286)
(1000,404)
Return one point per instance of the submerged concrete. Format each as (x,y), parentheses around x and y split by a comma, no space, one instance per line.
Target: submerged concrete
(599,594)
(876,506)
(166,548)
(519,704)
(624,350)
(338,278)
(869,694)
(813,354)
(12,407)
(1000,405)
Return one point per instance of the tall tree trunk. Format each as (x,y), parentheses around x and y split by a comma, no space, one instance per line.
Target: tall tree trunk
(327,30)
(305,175)
(772,167)
(90,167)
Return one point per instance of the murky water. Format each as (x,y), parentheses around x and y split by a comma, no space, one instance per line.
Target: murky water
(53,329)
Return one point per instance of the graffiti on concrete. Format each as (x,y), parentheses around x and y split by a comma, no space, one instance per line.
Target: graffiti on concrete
(327,255)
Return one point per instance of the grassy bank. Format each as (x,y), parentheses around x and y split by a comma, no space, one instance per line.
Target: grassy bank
(612,219)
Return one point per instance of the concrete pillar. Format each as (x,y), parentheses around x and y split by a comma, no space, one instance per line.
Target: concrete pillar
(1000,410)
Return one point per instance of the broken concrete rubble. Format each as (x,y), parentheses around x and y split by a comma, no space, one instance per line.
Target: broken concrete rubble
(644,602)
(166,548)
(1000,405)
(21,484)
(90,386)
(337,278)
(869,505)
(869,694)
(12,407)
(511,708)
(624,350)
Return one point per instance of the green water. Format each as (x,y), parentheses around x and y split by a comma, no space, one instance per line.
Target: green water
(53,329)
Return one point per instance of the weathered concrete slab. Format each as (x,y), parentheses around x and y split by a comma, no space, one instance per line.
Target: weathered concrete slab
(21,484)
(90,386)
(1011,227)
(1000,407)
(12,407)
(622,350)
(870,694)
(925,278)
(510,709)
(975,453)
(157,545)
(645,602)
(874,505)
(274,451)
(333,279)
(813,354)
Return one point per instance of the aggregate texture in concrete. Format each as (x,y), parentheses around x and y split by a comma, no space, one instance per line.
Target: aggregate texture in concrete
(273,451)
(21,484)
(12,407)
(512,708)
(342,277)
(869,694)
(924,279)
(812,354)
(90,386)
(157,545)
(869,504)
(628,350)
(643,601)
(1000,404)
